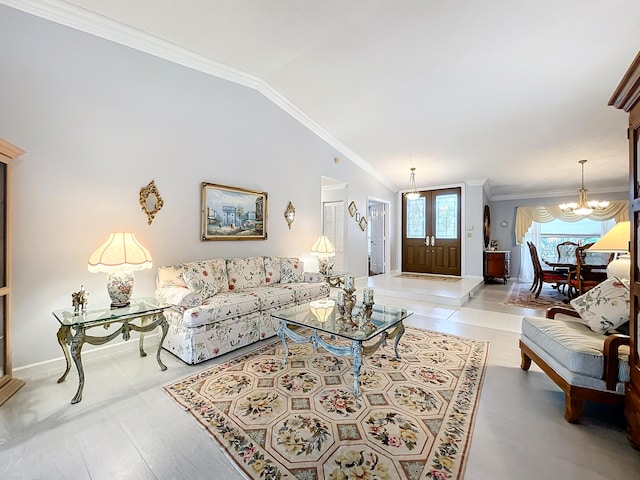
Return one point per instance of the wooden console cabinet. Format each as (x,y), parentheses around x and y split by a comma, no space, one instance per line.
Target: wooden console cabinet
(627,98)
(496,264)
(8,384)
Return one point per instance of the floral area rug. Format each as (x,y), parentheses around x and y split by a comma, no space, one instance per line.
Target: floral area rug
(521,296)
(413,420)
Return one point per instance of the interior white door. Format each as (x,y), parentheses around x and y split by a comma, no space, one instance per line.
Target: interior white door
(333,227)
(377,238)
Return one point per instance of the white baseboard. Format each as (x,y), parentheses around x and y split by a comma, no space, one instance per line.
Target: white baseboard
(88,354)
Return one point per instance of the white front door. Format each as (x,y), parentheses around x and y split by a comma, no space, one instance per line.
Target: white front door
(377,238)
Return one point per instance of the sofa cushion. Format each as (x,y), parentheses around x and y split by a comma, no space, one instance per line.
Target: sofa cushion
(199,279)
(305,292)
(178,296)
(170,276)
(606,306)
(291,270)
(570,343)
(222,306)
(218,268)
(272,267)
(245,273)
(270,297)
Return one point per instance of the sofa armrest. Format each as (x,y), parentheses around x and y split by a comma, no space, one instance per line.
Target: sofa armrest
(553,311)
(612,344)
(178,297)
(313,277)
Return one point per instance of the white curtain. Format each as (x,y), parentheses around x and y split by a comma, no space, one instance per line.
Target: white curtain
(617,210)
(526,266)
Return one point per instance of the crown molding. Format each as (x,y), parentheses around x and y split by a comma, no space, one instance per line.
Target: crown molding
(80,19)
(557,193)
(335,186)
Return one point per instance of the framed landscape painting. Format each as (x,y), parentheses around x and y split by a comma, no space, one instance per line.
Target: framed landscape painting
(231,213)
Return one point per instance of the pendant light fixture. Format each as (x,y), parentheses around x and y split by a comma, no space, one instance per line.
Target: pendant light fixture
(413,193)
(583,207)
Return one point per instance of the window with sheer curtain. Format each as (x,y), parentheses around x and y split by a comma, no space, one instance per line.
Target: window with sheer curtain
(545,236)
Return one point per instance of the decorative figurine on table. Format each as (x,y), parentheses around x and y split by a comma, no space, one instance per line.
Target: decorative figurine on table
(367,308)
(349,297)
(493,246)
(79,300)
(346,301)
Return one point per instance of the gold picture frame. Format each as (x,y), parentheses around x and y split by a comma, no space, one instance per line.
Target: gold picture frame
(363,223)
(150,201)
(353,209)
(232,213)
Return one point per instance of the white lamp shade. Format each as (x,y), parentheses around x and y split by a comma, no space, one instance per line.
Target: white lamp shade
(121,252)
(615,240)
(323,247)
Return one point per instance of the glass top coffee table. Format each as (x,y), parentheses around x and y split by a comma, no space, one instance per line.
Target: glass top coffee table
(322,316)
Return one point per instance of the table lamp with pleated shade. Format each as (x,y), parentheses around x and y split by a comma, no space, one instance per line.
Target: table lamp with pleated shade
(616,240)
(119,257)
(323,249)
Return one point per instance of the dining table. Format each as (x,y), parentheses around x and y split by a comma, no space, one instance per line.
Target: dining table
(570,263)
(597,269)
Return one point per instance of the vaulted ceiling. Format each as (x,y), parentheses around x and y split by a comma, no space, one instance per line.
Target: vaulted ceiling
(512,91)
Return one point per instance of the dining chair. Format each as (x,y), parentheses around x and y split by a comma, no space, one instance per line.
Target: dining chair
(566,251)
(583,278)
(542,276)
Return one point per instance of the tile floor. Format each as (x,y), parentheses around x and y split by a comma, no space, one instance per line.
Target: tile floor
(126,427)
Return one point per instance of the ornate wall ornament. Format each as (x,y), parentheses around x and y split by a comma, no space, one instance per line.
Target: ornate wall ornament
(290,214)
(150,201)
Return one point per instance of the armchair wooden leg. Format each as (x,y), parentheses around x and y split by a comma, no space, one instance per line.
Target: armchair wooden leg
(525,362)
(573,409)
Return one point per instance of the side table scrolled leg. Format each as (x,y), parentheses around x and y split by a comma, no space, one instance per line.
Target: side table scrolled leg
(165,328)
(63,333)
(143,322)
(76,352)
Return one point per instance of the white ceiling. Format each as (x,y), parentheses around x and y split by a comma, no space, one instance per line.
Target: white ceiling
(512,91)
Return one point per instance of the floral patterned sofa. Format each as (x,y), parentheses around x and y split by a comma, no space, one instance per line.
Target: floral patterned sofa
(219,305)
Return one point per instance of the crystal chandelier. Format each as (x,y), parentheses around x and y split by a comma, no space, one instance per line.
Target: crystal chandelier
(583,207)
(413,193)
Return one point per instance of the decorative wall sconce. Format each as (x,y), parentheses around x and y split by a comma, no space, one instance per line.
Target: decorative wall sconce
(150,201)
(290,214)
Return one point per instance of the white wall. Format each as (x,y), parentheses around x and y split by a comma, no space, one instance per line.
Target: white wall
(472,233)
(98,122)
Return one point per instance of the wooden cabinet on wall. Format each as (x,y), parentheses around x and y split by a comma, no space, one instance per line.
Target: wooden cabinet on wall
(496,265)
(627,98)
(8,384)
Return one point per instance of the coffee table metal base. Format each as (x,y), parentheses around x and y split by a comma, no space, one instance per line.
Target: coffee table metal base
(356,350)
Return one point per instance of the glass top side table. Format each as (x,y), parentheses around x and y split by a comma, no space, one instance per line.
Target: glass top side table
(142,315)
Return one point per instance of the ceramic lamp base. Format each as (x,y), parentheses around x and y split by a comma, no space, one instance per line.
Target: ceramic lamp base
(120,286)
(620,267)
(323,265)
